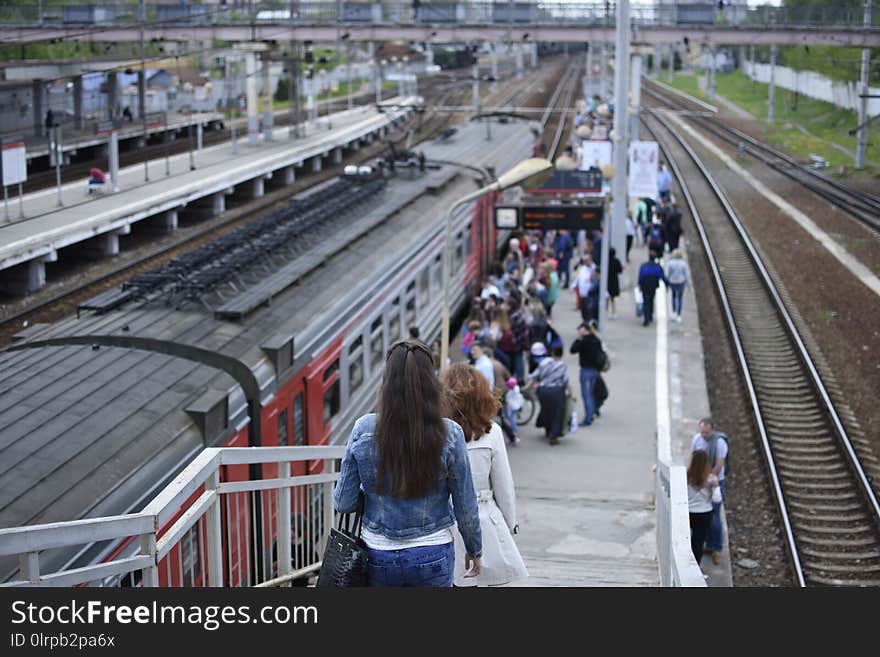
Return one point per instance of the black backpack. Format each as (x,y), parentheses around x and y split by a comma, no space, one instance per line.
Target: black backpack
(655,236)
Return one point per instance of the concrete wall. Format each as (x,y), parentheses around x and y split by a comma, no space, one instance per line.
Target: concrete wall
(814,85)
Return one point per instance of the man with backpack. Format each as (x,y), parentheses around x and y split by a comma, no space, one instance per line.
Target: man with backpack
(656,239)
(714,443)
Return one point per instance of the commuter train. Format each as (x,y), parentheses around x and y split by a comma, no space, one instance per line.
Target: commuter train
(92,429)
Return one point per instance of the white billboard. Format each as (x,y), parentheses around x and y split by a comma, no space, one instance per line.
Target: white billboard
(14,163)
(643,161)
(595,153)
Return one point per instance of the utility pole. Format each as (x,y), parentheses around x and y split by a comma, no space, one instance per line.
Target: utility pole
(771,99)
(862,138)
(614,225)
(294,87)
(142,93)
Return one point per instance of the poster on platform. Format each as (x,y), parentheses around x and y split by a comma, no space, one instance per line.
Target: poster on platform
(643,161)
(14,163)
(595,154)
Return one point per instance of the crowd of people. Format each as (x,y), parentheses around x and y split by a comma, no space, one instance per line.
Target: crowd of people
(430,465)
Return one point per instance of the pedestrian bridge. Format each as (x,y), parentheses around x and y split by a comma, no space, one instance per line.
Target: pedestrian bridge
(544,21)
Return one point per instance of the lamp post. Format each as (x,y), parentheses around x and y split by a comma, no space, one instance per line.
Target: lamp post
(531,172)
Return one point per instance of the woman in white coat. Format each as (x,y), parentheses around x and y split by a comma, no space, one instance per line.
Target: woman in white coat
(470,402)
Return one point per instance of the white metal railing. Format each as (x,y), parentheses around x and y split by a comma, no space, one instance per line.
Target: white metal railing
(675,559)
(214,525)
(674,556)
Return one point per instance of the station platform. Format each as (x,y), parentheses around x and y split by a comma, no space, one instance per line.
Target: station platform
(215,173)
(94,133)
(586,507)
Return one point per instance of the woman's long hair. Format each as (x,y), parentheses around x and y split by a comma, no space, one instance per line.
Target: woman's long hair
(699,469)
(410,433)
(468,400)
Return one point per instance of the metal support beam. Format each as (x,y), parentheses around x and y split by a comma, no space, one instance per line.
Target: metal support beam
(862,137)
(615,225)
(771,97)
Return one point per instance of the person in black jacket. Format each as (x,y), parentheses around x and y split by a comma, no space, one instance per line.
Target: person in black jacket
(650,275)
(588,347)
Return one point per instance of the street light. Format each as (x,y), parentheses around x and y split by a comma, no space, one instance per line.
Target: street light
(529,173)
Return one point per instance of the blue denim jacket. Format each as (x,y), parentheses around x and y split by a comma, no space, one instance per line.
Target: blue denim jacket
(410,518)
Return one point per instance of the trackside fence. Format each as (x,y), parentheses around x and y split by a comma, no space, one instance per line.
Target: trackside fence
(232,517)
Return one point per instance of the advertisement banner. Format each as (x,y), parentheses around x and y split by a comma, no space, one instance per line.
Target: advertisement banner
(595,154)
(643,163)
(14,163)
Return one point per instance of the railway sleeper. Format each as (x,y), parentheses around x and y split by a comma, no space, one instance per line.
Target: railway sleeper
(840,556)
(805,453)
(813,485)
(868,542)
(831,508)
(840,531)
(817,468)
(820,518)
(853,568)
(813,476)
(807,497)
(818,579)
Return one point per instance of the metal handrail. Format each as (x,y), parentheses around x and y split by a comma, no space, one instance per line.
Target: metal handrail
(156,539)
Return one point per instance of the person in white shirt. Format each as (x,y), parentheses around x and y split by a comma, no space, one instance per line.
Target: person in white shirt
(489,289)
(483,363)
(701,483)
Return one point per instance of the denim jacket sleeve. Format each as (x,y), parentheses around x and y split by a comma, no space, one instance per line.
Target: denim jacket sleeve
(345,495)
(464,497)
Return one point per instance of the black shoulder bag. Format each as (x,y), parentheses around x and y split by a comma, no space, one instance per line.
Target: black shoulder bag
(345,558)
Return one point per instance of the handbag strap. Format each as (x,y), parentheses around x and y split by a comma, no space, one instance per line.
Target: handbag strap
(358,518)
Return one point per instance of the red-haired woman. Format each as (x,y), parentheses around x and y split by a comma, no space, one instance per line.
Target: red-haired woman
(469,402)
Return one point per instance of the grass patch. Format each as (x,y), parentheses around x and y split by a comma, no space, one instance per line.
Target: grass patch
(826,122)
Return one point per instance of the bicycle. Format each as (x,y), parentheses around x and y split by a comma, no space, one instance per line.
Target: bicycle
(525,414)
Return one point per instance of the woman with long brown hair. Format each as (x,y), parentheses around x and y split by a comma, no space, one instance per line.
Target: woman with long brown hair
(700,481)
(409,461)
(469,402)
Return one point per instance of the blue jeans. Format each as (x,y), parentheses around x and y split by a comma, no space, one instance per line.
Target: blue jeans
(713,539)
(588,384)
(511,416)
(677,296)
(519,367)
(429,565)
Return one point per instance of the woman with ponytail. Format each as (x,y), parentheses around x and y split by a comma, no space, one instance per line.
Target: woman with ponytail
(412,466)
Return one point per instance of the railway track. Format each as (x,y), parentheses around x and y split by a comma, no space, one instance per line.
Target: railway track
(828,505)
(861,206)
(561,105)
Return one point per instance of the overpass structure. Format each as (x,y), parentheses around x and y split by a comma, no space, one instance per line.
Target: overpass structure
(548,21)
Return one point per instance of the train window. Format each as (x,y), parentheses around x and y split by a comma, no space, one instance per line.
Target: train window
(438,272)
(377,353)
(282,427)
(331,401)
(330,371)
(467,242)
(394,322)
(459,253)
(424,287)
(299,421)
(356,364)
(331,395)
(411,312)
(411,287)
